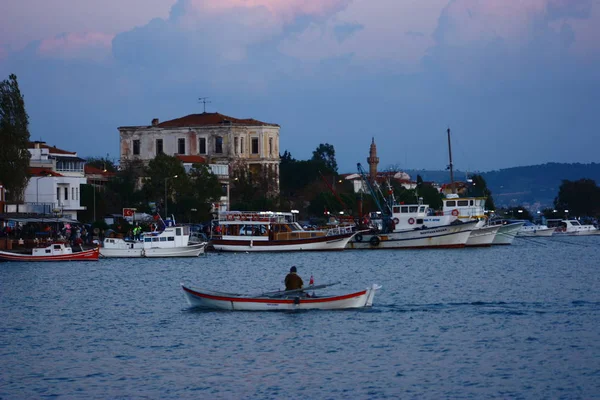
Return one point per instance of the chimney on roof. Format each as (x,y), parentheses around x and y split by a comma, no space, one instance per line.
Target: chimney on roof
(155,121)
(37,144)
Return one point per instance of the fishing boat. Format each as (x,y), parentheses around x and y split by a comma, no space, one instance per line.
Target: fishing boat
(53,252)
(571,227)
(250,231)
(507,232)
(280,300)
(173,241)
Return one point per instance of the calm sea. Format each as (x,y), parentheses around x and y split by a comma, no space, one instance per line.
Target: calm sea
(520,321)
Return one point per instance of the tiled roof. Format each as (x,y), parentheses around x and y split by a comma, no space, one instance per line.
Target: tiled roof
(210,119)
(91,170)
(41,171)
(191,159)
(53,149)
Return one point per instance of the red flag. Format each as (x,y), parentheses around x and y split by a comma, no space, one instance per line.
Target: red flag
(312,281)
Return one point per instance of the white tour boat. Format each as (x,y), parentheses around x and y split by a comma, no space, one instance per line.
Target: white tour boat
(173,241)
(530,229)
(251,231)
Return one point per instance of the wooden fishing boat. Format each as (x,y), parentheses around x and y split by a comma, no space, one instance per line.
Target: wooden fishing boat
(280,300)
(54,252)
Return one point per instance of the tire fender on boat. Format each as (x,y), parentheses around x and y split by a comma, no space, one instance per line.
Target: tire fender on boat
(375,241)
(358,237)
(396,221)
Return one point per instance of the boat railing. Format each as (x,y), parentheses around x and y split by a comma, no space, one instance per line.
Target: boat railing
(340,230)
(244,216)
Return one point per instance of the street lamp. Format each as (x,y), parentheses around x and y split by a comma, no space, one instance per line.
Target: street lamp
(166,200)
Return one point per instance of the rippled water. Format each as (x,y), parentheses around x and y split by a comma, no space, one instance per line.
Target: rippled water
(521,321)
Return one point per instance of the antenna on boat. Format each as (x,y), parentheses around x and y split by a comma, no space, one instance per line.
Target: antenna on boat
(450,165)
(204,101)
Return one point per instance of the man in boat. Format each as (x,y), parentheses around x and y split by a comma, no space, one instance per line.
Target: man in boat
(293,280)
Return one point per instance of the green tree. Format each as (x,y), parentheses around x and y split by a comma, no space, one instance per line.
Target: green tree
(165,176)
(253,189)
(103,163)
(203,189)
(325,156)
(122,191)
(581,198)
(14,136)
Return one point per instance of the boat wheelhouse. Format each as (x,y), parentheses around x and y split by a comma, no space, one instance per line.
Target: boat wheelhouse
(571,227)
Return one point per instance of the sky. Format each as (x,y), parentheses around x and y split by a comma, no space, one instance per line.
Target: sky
(516,81)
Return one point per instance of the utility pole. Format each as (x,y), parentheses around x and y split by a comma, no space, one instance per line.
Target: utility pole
(450,166)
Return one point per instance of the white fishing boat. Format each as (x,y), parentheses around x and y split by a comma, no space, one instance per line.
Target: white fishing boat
(53,252)
(530,229)
(407,229)
(289,300)
(250,231)
(507,232)
(571,227)
(173,241)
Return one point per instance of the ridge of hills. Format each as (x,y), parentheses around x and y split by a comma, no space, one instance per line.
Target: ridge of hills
(534,187)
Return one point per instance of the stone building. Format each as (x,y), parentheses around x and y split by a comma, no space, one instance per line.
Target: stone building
(221,140)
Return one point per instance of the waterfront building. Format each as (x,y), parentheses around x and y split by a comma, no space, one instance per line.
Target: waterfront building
(220,140)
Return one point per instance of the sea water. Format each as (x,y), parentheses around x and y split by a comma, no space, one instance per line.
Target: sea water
(519,321)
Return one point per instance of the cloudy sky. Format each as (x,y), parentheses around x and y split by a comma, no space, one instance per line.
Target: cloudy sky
(517,81)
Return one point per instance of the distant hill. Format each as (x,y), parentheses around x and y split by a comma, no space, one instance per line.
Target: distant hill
(533,186)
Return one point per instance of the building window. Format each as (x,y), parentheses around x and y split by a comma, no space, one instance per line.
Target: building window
(73,194)
(58,194)
(202,145)
(136,147)
(181,146)
(241,145)
(159,146)
(235,145)
(219,145)
(254,145)
(66,193)
(270,146)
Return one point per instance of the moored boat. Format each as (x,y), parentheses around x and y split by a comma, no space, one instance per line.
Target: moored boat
(571,227)
(507,232)
(274,231)
(173,241)
(538,230)
(53,252)
(279,301)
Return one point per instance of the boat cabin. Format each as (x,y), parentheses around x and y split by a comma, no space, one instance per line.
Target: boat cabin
(55,249)
(172,236)
(464,207)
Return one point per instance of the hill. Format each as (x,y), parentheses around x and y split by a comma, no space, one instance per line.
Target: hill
(533,186)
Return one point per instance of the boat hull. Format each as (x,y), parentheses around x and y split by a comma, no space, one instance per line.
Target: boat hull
(320,243)
(226,301)
(507,233)
(482,237)
(544,232)
(86,255)
(189,251)
(448,236)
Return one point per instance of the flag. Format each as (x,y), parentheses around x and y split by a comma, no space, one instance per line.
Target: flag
(312,280)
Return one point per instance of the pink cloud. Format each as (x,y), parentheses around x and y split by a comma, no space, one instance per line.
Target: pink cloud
(283,10)
(93,45)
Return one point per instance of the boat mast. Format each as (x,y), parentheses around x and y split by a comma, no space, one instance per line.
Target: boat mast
(450,166)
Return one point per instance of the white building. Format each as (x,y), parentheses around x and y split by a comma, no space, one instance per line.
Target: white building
(56,178)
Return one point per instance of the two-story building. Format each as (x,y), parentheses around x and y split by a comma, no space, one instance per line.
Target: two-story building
(56,178)
(219,139)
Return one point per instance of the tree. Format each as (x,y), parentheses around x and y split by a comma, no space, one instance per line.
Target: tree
(14,136)
(580,198)
(478,188)
(203,189)
(325,155)
(103,163)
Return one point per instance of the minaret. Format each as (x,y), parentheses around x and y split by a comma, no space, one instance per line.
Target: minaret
(373,160)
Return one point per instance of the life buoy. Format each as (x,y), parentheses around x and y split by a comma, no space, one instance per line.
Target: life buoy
(396,221)
(374,241)
(230,218)
(411,221)
(358,237)
(455,212)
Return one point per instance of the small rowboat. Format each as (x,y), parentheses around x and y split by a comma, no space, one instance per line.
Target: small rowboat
(54,252)
(280,300)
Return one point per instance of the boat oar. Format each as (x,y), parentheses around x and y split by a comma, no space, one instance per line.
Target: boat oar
(286,292)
